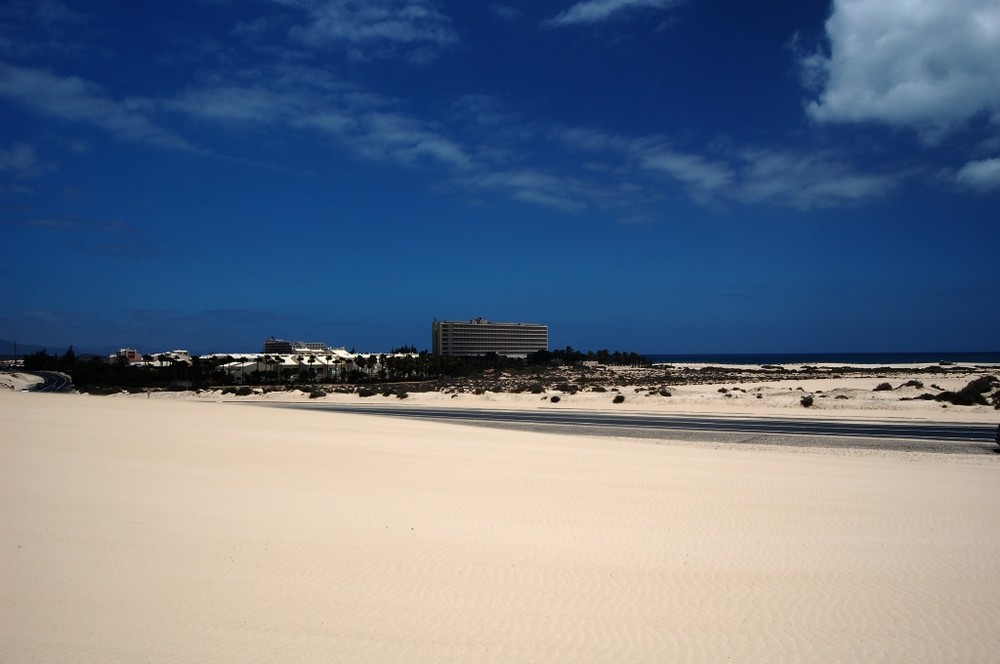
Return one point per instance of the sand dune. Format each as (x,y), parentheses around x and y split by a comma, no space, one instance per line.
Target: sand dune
(168,530)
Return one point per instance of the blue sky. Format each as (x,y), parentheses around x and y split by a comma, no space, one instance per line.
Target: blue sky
(652,175)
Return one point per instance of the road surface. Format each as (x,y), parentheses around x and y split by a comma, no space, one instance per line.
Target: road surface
(52,381)
(908,436)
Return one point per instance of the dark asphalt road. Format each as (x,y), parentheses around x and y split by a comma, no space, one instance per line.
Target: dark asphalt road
(52,381)
(919,437)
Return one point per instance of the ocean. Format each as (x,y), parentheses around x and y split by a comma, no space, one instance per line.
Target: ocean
(828,358)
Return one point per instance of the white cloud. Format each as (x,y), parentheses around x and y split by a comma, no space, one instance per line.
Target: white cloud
(370,28)
(231,103)
(805,180)
(982,175)
(929,65)
(800,180)
(599,11)
(406,140)
(703,176)
(21,161)
(366,124)
(506,12)
(73,99)
(531,185)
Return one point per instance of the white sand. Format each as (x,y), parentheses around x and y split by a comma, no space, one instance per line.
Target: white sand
(166,530)
(838,398)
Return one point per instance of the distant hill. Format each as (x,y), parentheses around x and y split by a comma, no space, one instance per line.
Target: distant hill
(7,349)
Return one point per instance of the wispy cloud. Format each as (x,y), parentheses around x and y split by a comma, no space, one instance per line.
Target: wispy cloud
(504,11)
(806,180)
(981,175)
(531,185)
(74,99)
(369,125)
(782,178)
(600,11)
(364,29)
(21,162)
(704,177)
(36,27)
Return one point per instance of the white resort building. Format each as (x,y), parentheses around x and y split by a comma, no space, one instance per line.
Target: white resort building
(481,337)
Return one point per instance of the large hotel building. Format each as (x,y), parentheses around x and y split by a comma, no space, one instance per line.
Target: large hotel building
(480,336)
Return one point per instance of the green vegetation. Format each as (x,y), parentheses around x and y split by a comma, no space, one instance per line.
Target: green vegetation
(99,375)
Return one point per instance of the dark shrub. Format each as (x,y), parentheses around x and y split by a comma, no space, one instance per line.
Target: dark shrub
(536,388)
(913,383)
(555,398)
(882,387)
(971,394)
(982,384)
(317,394)
(402,394)
(664,392)
(723,390)
(619,399)
(244,391)
(806,401)
(365,392)
(598,388)
(962,398)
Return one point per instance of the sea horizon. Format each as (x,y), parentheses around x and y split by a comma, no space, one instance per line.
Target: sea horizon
(966,357)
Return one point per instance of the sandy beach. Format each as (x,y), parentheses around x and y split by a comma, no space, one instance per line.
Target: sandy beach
(189,529)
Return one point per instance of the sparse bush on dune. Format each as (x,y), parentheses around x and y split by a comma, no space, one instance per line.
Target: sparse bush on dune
(806,401)
(317,394)
(555,398)
(883,387)
(619,399)
(973,393)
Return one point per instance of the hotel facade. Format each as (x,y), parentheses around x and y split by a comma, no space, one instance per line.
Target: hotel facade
(481,337)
